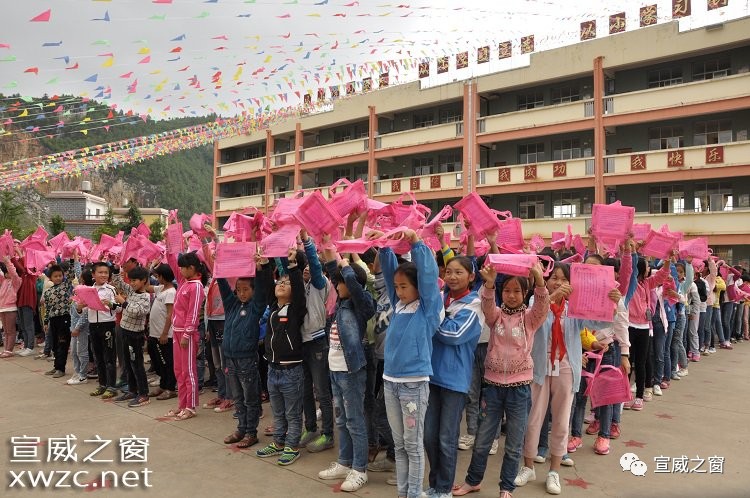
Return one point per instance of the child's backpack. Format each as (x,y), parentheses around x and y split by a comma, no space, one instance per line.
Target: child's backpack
(702,289)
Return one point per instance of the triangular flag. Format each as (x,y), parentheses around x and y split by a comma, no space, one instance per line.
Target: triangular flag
(43,17)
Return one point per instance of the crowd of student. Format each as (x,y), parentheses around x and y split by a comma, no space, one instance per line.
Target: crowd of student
(390,350)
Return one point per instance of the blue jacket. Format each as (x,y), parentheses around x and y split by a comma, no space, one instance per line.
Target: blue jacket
(351,317)
(454,344)
(408,341)
(242,320)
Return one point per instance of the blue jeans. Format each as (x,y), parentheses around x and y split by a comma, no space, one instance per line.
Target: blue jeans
(660,339)
(380,415)
(406,404)
(515,403)
(244,387)
(678,354)
(26,326)
(475,391)
(667,370)
(442,426)
(578,412)
(609,414)
(285,386)
(216,329)
(79,350)
(349,410)
(727,316)
(716,327)
(315,364)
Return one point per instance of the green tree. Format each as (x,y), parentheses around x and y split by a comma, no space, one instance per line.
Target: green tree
(109,227)
(133,219)
(11,213)
(57,224)
(157,228)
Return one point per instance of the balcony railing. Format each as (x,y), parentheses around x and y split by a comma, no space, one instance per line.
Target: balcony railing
(426,183)
(539,116)
(239,203)
(241,167)
(278,160)
(546,171)
(679,95)
(718,155)
(418,136)
(329,151)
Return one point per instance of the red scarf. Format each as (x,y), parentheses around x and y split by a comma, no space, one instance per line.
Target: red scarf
(449,300)
(558,340)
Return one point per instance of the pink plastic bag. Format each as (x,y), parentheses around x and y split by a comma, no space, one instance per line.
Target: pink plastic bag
(483,220)
(143,230)
(659,245)
(278,243)
(352,199)
(399,246)
(196,224)
(357,246)
(641,231)
(510,234)
(58,241)
(235,259)
(612,221)
(6,244)
(317,216)
(284,209)
(694,248)
(537,243)
(608,385)
(37,261)
(517,264)
(428,234)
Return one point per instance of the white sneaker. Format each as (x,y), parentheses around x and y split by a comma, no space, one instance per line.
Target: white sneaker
(524,476)
(335,471)
(683,372)
(25,352)
(465,442)
(155,382)
(633,388)
(495,444)
(75,380)
(392,480)
(354,480)
(657,390)
(539,459)
(567,461)
(553,483)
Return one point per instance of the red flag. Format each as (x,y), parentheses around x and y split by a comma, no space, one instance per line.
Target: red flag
(43,17)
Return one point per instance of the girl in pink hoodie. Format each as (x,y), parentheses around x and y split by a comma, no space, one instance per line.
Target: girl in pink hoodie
(10,282)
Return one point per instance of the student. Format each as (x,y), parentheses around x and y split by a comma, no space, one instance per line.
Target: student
(102,333)
(135,310)
(10,283)
(417,312)
(160,333)
(283,348)
(57,315)
(347,364)
(215,317)
(79,336)
(191,276)
(27,306)
(242,311)
(453,349)
(508,374)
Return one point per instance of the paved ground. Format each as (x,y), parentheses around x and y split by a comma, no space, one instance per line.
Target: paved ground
(702,416)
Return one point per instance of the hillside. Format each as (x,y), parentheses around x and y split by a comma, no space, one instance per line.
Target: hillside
(177,181)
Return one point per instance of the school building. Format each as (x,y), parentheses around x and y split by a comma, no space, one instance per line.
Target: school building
(655,118)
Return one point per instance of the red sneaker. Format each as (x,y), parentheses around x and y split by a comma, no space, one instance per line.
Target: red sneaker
(574,443)
(601,446)
(614,431)
(593,428)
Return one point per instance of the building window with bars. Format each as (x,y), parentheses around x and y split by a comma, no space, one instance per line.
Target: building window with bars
(360,173)
(339,173)
(450,162)
(566,149)
(450,116)
(562,95)
(713,197)
(422,166)
(424,120)
(530,101)
(531,206)
(666,199)
(665,137)
(342,135)
(664,77)
(708,70)
(566,205)
(531,153)
(712,132)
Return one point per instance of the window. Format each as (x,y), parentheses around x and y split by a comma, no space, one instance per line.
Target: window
(342,135)
(361,131)
(709,70)
(531,206)
(566,149)
(713,197)
(665,137)
(250,188)
(227,156)
(566,205)
(450,161)
(565,94)
(667,199)
(423,120)
(360,173)
(530,153)
(530,101)
(422,166)
(341,173)
(450,116)
(664,77)
(712,132)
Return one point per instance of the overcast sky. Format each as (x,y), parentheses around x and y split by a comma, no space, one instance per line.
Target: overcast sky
(148,53)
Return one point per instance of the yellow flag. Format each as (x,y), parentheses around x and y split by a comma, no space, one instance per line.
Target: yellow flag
(23,114)
(144,50)
(108,62)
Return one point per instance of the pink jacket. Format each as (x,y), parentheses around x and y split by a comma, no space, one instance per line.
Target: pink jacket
(187,307)
(512,337)
(640,300)
(9,289)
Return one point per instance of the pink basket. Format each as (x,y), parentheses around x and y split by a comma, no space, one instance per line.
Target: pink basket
(510,234)
(196,224)
(517,264)
(483,220)
(694,248)
(352,199)
(608,385)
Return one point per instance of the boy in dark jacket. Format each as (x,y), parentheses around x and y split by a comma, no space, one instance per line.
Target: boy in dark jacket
(243,309)
(347,362)
(283,350)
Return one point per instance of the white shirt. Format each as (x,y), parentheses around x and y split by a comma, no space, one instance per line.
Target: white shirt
(158,316)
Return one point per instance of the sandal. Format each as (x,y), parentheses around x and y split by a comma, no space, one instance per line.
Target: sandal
(234,437)
(166,394)
(269,430)
(247,442)
(173,412)
(465,489)
(185,414)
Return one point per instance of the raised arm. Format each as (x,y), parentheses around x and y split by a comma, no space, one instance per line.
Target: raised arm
(363,302)
(463,326)
(313,262)
(388,264)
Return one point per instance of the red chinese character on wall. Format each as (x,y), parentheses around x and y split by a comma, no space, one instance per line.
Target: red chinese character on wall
(637,162)
(680,8)
(716,4)
(503,175)
(435,182)
(675,159)
(462,60)
(715,154)
(588,30)
(648,15)
(527,44)
(442,64)
(529,172)
(424,69)
(617,23)
(414,184)
(483,54)
(505,50)
(395,185)
(559,169)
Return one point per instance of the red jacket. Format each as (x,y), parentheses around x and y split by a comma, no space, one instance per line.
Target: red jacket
(27,293)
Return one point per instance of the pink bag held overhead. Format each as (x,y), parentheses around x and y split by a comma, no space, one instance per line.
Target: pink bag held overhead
(517,264)
(317,216)
(659,245)
(428,234)
(694,248)
(641,231)
(173,234)
(608,385)
(196,224)
(483,220)
(352,199)
(510,234)
(612,221)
